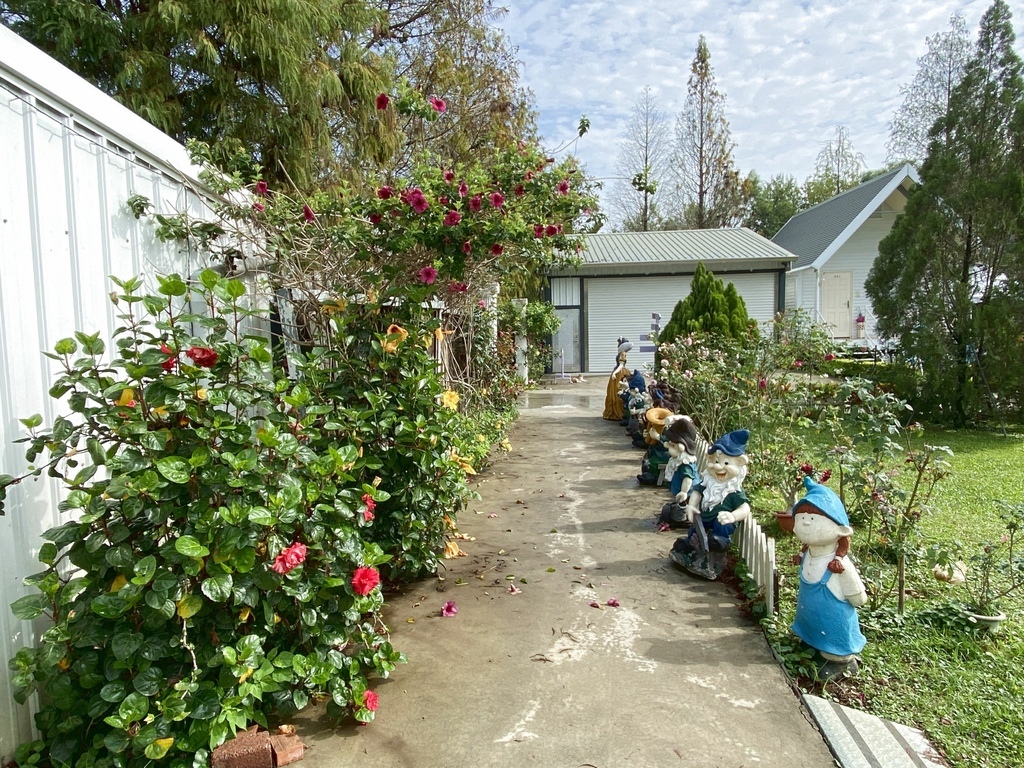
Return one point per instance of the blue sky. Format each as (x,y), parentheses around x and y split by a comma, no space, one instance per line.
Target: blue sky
(790,69)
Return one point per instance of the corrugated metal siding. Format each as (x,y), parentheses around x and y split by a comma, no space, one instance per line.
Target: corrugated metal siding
(64,228)
(685,245)
(623,306)
(565,291)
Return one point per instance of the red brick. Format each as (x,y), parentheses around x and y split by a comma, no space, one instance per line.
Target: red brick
(247,750)
(287,749)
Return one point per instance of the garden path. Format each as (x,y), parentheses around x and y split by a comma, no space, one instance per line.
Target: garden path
(676,675)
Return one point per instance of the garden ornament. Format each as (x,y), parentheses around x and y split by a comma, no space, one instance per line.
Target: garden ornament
(720,503)
(636,383)
(637,404)
(657,454)
(613,405)
(831,590)
(680,438)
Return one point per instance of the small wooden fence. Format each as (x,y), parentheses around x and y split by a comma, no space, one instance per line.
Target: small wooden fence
(758,551)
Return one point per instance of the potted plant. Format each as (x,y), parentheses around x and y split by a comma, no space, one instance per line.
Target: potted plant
(991,573)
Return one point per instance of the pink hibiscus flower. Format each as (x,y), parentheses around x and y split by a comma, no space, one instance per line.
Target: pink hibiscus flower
(427,275)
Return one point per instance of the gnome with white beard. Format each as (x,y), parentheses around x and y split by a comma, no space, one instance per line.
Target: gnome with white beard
(718,499)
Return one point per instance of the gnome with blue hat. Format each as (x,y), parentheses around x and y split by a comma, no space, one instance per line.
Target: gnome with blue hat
(718,499)
(831,590)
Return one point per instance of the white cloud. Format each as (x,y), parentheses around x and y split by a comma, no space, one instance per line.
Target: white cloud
(791,69)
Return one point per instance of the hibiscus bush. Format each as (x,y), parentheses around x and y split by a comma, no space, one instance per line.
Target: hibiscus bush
(221,563)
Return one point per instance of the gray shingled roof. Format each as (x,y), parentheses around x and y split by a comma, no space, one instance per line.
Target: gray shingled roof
(690,245)
(810,233)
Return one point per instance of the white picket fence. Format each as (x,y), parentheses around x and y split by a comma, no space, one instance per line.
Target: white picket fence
(70,157)
(758,551)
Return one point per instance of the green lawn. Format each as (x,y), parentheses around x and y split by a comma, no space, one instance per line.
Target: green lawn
(925,669)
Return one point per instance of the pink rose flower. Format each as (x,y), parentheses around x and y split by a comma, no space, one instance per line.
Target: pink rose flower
(371,701)
(383,101)
(452,218)
(290,558)
(364,580)
(427,275)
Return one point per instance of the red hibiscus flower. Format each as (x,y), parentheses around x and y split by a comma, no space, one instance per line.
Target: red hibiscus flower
(290,558)
(452,218)
(385,192)
(172,358)
(204,357)
(497,199)
(383,101)
(364,580)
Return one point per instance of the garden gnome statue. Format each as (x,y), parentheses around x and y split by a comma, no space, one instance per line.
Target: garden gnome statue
(637,404)
(717,503)
(831,590)
(657,454)
(636,384)
(680,437)
(612,400)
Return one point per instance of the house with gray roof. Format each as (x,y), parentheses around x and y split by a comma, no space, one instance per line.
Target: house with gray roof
(629,282)
(835,243)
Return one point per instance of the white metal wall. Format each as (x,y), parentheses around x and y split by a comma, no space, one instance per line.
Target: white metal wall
(69,159)
(622,306)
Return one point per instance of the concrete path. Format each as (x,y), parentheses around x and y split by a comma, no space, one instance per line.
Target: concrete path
(674,676)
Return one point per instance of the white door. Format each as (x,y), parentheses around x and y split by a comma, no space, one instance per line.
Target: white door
(565,344)
(837,302)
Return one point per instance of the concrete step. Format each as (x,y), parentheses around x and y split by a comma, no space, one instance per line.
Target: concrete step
(860,740)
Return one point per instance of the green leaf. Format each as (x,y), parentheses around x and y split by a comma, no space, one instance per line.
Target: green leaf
(29,607)
(96,451)
(134,708)
(205,704)
(189,606)
(48,553)
(174,468)
(144,569)
(209,278)
(189,546)
(159,748)
(172,285)
(32,421)
(235,288)
(218,587)
(124,644)
(66,347)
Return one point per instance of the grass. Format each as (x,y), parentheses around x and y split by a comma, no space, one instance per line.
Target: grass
(928,668)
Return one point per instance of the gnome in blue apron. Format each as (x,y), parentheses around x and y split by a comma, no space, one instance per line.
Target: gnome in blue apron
(831,590)
(680,437)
